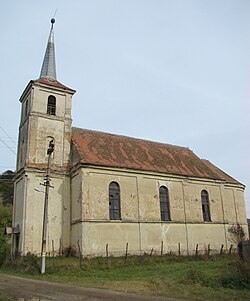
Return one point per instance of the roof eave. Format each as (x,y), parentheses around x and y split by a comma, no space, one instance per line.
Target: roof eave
(85,164)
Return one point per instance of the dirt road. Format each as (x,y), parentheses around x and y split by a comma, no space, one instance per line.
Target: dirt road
(34,290)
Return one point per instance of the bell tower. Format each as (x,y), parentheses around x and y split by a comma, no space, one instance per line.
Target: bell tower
(45,116)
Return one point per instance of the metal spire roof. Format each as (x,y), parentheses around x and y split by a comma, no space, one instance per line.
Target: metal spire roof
(49,62)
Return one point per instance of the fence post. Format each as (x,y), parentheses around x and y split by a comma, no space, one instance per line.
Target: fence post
(230,249)
(179,249)
(126,253)
(221,249)
(53,253)
(208,250)
(80,253)
(161,248)
(107,251)
(60,247)
(196,249)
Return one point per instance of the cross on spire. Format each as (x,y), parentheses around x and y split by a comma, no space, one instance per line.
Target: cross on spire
(49,62)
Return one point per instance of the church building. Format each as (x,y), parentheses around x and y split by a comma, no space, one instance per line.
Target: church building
(112,191)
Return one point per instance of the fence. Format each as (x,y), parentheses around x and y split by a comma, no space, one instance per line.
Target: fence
(109,251)
(200,250)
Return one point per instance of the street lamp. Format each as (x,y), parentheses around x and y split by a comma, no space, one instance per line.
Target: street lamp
(45,213)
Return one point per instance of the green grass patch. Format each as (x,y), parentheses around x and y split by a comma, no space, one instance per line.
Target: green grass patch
(196,278)
(4,297)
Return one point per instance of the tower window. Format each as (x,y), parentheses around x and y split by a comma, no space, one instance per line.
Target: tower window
(205,206)
(114,201)
(51,107)
(164,204)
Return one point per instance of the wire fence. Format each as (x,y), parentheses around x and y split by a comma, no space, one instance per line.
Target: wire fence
(108,251)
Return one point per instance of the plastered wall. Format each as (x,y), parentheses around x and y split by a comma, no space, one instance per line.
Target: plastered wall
(140,225)
(36,130)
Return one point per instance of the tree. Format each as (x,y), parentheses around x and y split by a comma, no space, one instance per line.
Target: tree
(237,233)
(7,187)
(6,198)
(5,215)
(3,247)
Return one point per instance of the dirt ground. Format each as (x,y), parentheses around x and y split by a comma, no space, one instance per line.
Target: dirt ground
(22,289)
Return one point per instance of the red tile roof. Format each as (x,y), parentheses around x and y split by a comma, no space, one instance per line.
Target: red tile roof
(221,174)
(52,82)
(104,149)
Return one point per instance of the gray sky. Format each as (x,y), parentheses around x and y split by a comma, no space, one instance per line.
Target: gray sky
(171,71)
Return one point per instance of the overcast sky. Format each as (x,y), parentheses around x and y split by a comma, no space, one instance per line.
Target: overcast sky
(171,71)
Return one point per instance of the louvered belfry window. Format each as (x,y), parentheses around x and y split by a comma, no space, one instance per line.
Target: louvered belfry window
(164,204)
(114,201)
(51,106)
(205,206)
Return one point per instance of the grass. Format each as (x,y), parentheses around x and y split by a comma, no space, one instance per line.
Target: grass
(213,278)
(4,297)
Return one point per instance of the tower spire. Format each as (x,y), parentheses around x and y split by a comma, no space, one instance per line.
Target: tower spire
(49,62)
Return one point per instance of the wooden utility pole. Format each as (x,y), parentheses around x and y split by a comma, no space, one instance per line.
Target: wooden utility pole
(45,213)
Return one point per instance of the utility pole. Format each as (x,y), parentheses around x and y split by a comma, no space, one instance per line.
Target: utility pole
(45,213)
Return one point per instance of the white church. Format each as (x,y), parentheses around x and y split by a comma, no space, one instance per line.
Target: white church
(112,190)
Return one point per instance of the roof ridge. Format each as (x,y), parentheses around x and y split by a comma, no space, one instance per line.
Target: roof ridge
(135,138)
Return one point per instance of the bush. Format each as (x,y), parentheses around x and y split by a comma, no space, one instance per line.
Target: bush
(237,233)
(3,247)
(28,263)
(5,215)
(238,277)
(198,277)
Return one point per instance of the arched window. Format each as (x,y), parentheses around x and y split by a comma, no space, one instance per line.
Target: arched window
(114,201)
(164,204)
(51,106)
(205,206)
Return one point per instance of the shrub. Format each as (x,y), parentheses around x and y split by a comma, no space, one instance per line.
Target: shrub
(28,263)
(3,247)
(237,277)
(237,233)
(194,276)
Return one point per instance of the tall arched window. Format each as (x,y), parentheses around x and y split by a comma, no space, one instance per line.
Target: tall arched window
(164,204)
(51,106)
(114,201)
(205,206)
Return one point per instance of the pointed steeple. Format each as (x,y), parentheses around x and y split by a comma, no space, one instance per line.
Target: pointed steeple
(49,62)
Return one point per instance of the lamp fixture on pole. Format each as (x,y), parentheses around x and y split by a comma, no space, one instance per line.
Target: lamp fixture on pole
(45,213)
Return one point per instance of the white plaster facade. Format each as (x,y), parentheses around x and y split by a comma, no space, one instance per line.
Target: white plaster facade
(140,225)
(36,129)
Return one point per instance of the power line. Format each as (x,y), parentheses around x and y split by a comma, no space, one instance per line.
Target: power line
(7,135)
(7,139)
(8,146)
